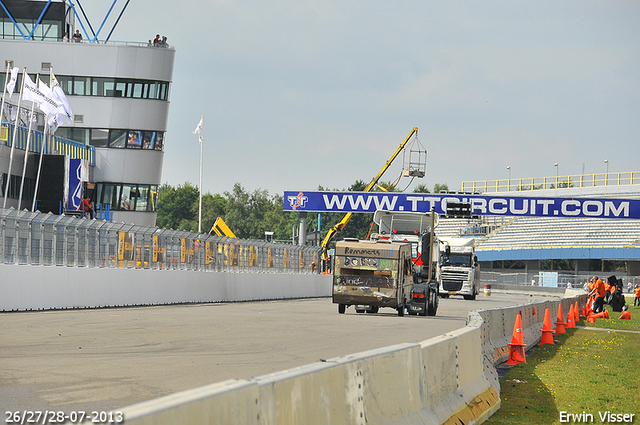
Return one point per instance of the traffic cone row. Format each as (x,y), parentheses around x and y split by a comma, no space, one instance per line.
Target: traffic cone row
(547,331)
(517,344)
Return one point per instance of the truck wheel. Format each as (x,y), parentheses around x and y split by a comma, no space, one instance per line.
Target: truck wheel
(341,308)
(432,305)
(374,309)
(444,295)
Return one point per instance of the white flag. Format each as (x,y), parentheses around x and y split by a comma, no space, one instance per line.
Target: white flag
(198,129)
(53,119)
(12,82)
(61,98)
(32,93)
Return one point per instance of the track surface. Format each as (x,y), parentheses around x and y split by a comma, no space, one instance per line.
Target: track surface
(111,358)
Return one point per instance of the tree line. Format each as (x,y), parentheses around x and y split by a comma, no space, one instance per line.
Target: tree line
(250,214)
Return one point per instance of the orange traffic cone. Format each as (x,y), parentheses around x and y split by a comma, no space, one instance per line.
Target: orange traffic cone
(571,323)
(584,311)
(589,306)
(625,315)
(560,322)
(534,310)
(517,344)
(576,313)
(591,319)
(604,314)
(547,331)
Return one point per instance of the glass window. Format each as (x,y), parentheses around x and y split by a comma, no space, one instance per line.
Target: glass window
(121,89)
(153,90)
(66,83)
(102,86)
(159,142)
(153,198)
(135,139)
(80,135)
(142,204)
(117,138)
(110,195)
(148,138)
(81,86)
(128,197)
(99,137)
(162,95)
(137,90)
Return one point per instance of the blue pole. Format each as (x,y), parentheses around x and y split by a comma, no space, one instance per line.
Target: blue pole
(39,19)
(13,20)
(105,19)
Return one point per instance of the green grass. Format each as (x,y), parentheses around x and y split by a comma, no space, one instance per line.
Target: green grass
(586,370)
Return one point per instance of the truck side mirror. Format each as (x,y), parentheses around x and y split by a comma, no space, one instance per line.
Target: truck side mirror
(447,250)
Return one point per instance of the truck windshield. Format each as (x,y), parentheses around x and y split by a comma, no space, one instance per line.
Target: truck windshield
(459,260)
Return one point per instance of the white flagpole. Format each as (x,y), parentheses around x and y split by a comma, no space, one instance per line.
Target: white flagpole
(13,141)
(26,151)
(200,207)
(44,139)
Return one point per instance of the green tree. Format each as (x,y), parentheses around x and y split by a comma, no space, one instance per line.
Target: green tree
(438,187)
(176,207)
(421,188)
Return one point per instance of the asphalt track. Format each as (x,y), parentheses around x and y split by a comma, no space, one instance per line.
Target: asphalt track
(110,358)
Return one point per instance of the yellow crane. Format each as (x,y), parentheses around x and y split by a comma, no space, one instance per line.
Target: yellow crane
(340,225)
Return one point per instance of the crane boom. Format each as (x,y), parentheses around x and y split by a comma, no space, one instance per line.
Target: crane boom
(340,225)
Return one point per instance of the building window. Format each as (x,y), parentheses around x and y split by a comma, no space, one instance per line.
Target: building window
(99,137)
(128,197)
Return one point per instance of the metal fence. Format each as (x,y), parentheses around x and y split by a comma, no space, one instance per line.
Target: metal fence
(58,240)
(559,279)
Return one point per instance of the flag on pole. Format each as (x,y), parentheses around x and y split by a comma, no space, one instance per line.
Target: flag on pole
(34,94)
(12,81)
(198,129)
(53,119)
(61,98)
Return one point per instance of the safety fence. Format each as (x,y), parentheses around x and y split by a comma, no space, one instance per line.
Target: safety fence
(554,182)
(554,279)
(28,238)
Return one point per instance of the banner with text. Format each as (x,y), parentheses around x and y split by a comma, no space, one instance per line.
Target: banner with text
(366,202)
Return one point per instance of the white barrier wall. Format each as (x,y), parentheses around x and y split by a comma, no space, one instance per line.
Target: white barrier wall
(42,287)
(447,379)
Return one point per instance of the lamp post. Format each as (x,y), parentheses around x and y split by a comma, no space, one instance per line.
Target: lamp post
(606,177)
(509,182)
(556,165)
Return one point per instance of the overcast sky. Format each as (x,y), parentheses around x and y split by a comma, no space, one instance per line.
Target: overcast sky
(297,94)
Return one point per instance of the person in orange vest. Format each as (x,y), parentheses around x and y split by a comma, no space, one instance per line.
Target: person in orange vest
(636,300)
(85,207)
(599,292)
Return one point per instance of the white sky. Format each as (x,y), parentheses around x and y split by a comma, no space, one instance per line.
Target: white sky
(297,94)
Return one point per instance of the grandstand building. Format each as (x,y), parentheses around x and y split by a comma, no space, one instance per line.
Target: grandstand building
(517,249)
(119,95)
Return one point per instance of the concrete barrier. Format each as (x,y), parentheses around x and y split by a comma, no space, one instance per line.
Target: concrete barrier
(49,287)
(449,379)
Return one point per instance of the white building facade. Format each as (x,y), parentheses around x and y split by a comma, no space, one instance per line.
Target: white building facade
(119,95)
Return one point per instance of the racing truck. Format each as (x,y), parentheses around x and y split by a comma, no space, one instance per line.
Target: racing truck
(372,274)
(459,268)
(418,230)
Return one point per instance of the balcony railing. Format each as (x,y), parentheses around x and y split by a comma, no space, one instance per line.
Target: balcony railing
(51,145)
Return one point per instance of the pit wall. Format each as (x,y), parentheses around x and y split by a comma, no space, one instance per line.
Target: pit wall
(449,379)
(25,288)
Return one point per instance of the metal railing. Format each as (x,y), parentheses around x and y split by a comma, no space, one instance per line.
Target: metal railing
(53,144)
(555,182)
(557,279)
(56,240)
